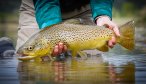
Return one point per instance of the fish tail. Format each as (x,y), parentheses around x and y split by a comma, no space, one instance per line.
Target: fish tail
(127,38)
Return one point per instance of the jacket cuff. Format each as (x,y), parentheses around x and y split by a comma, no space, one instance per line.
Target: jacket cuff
(101,7)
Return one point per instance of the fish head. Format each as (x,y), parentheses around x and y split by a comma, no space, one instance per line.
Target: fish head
(37,48)
(26,50)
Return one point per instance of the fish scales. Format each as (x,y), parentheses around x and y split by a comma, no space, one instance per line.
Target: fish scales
(72,34)
(77,37)
(67,32)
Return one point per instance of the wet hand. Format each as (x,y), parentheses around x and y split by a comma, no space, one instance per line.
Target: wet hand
(105,21)
(59,48)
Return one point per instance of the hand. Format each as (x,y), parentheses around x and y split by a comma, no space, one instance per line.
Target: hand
(105,21)
(59,48)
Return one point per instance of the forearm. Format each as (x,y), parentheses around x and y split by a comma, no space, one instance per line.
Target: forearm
(47,12)
(101,7)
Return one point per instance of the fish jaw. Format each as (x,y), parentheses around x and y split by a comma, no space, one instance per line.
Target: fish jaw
(32,55)
(25,58)
(26,55)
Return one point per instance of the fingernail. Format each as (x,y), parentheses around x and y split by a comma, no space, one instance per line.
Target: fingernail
(56,46)
(60,45)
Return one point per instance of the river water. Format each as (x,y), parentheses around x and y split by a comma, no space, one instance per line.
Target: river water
(118,66)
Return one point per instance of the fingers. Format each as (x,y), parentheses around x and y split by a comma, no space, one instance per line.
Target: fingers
(55,51)
(116,30)
(112,42)
(64,48)
(59,48)
(113,27)
(105,21)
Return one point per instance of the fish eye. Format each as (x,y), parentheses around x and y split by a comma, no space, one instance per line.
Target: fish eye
(30,48)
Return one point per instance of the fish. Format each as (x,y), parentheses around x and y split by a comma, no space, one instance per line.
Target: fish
(77,37)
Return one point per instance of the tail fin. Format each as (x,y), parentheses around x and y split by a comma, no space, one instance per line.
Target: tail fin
(127,38)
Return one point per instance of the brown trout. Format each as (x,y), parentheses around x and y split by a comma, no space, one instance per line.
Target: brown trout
(76,37)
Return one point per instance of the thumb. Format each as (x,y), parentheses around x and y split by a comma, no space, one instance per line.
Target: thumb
(99,23)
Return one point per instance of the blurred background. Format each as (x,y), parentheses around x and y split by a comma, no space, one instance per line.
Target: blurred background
(9,13)
(123,10)
(121,69)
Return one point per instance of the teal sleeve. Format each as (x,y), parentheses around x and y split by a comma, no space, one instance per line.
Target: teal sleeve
(101,7)
(47,12)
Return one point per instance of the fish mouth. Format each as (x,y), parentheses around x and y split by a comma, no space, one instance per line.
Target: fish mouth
(21,55)
(25,57)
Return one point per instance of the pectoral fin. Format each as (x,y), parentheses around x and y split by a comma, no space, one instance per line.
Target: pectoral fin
(51,58)
(74,53)
(82,54)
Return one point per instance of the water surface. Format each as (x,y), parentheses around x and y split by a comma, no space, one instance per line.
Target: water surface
(118,66)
